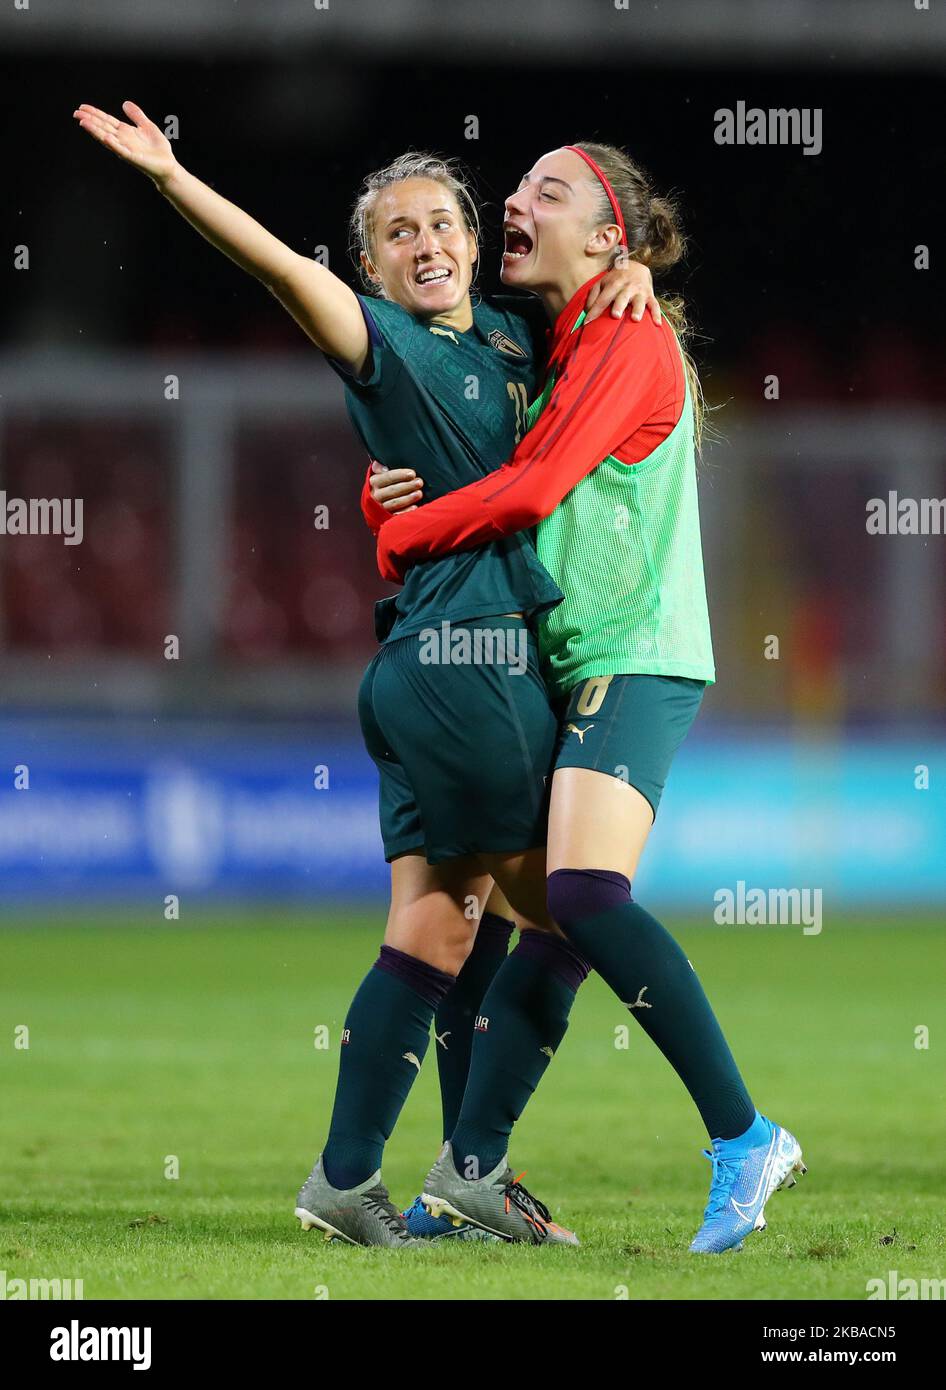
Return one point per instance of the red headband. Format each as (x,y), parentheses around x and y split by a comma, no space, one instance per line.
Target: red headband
(615,205)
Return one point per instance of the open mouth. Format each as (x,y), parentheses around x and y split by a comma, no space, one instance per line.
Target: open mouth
(433,275)
(517,243)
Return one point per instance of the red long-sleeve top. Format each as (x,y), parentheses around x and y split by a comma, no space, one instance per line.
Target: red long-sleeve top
(619,389)
(374,513)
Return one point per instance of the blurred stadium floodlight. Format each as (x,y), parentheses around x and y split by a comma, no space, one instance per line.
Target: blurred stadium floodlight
(890,33)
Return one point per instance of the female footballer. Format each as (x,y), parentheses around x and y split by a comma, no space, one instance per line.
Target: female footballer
(429,377)
(607,474)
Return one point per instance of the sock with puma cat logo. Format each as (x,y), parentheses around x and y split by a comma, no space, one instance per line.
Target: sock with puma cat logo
(383,1043)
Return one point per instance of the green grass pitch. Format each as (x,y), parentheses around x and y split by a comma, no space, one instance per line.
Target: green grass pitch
(196,1040)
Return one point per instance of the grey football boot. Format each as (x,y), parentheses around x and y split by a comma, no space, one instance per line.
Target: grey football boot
(363,1215)
(497,1203)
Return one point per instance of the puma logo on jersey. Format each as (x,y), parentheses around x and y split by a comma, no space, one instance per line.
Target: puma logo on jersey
(441,1038)
(445,333)
(574,729)
(640,1002)
(501,343)
(481,1025)
(548,1051)
(412,1058)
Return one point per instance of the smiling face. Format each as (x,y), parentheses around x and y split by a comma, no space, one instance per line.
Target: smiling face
(554,238)
(422,252)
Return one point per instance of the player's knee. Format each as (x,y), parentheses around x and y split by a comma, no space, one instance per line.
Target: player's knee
(456,950)
(444,944)
(577,893)
(442,953)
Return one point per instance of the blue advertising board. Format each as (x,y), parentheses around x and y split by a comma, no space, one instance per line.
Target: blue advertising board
(92,813)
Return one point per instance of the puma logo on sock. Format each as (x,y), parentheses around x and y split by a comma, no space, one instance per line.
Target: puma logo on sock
(410,1057)
(640,1002)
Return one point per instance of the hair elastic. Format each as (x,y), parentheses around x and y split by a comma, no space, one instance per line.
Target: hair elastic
(615,205)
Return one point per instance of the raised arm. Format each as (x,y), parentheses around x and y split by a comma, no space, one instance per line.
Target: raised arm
(323,306)
(611,382)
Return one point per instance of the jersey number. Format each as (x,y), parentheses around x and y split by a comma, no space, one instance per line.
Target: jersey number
(520,398)
(592,695)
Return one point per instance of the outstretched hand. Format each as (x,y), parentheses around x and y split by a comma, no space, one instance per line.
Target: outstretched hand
(141,144)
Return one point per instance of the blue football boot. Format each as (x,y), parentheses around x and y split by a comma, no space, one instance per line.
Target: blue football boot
(746,1171)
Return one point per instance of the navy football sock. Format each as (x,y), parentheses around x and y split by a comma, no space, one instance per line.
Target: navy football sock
(383,1044)
(459,1009)
(651,975)
(523,1020)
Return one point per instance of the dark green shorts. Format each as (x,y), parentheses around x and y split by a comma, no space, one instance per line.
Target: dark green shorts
(463,735)
(629,727)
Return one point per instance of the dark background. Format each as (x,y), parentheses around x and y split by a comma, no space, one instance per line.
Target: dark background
(808,260)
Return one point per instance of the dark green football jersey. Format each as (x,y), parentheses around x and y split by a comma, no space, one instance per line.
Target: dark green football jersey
(452,406)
